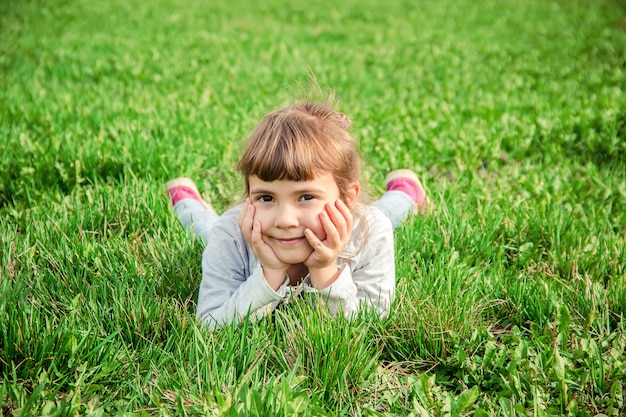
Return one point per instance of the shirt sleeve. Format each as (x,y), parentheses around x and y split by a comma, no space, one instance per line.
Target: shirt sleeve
(231,285)
(369,280)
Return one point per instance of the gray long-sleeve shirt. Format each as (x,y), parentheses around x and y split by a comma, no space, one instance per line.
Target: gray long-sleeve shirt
(233,284)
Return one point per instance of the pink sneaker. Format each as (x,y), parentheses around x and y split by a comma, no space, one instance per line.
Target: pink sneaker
(406,181)
(184,188)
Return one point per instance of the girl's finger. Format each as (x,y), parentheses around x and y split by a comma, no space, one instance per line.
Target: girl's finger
(256,232)
(345,211)
(246,219)
(333,234)
(341,217)
(314,241)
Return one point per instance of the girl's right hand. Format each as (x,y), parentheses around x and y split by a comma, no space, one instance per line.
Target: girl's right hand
(274,269)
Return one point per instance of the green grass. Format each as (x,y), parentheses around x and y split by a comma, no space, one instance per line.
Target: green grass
(511,296)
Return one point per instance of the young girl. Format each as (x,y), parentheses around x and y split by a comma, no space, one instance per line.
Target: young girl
(300,228)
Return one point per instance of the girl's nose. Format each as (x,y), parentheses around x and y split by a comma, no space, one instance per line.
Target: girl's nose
(286,217)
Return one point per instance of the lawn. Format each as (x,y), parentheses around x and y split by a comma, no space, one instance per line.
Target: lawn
(511,295)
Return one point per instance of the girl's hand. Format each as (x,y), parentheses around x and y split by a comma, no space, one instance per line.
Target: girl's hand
(336,220)
(274,269)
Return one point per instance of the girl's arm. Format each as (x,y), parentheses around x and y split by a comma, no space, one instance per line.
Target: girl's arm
(368,280)
(233,284)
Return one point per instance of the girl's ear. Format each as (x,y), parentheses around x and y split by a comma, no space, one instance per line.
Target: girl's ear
(352,194)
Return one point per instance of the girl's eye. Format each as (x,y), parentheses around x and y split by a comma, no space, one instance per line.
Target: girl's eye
(265,198)
(307,197)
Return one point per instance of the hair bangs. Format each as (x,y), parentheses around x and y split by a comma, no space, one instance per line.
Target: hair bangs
(300,143)
(290,159)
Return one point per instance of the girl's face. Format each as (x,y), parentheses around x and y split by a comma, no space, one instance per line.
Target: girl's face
(286,208)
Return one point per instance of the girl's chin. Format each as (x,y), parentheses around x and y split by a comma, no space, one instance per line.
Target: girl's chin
(293,258)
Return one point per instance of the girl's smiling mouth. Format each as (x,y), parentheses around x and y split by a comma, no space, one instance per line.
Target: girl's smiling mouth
(290,241)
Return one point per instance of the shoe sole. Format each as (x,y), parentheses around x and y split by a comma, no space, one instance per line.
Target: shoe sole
(187,182)
(407,173)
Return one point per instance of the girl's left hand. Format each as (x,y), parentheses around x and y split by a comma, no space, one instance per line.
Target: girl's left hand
(336,220)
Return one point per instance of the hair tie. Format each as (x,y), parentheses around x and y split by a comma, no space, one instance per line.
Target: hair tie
(344,121)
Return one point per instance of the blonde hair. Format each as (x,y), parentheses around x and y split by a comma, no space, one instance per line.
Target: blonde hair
(299,143)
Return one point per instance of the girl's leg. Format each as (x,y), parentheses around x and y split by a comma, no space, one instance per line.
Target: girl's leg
(195,214)
(405,195)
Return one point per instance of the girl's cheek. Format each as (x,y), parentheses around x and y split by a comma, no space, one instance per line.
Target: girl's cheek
(318,228)
(261,217)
